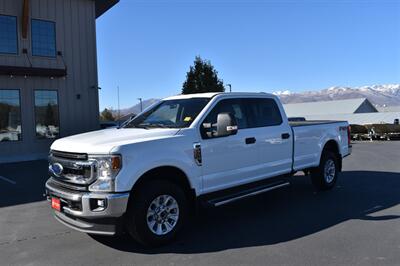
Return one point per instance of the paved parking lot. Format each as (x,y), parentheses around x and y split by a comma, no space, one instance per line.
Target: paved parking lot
(357,223)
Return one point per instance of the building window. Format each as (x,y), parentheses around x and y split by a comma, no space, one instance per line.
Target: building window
(8,35)
(46,114)
(10,115)
(43,38)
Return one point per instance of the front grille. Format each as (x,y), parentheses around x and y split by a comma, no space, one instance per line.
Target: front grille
(84,171)
(54,182)
(75,168)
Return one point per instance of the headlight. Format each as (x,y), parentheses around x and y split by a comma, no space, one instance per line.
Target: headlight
(107,169)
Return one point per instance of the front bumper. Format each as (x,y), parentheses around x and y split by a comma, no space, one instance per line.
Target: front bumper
(78,211)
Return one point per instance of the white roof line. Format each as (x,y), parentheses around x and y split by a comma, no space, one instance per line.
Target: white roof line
(213,94)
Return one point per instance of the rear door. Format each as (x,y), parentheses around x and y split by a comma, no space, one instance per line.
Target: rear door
(273,134)
(232,160)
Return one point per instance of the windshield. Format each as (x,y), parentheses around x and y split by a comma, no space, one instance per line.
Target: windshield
(170,114)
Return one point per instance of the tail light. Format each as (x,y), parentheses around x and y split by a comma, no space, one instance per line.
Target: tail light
(348,135)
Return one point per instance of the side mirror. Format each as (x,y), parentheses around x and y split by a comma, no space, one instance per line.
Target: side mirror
(226,125)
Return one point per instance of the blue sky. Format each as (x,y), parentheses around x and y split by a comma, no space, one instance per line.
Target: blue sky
(146,47)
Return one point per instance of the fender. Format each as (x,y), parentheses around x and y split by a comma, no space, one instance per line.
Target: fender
(325,139)
(140,158)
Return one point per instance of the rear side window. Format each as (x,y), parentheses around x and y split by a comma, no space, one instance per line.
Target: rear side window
(263,112)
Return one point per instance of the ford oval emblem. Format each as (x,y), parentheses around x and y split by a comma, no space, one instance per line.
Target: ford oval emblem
(56,169)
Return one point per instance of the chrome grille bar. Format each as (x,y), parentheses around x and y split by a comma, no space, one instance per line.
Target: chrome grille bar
(75,171)
(69,155)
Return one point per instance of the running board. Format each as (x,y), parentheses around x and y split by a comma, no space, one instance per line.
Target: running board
(249,193)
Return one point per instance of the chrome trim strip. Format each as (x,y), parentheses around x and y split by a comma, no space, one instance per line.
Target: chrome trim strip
(69,155)
(223,202)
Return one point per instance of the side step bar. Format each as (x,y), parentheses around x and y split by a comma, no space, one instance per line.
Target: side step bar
(252,192)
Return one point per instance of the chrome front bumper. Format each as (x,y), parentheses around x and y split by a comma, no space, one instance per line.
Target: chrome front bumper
(77,209)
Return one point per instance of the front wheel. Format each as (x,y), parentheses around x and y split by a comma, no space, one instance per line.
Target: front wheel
(156,213)
(325,175)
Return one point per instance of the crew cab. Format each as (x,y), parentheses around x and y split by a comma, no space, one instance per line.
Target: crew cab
(186,151)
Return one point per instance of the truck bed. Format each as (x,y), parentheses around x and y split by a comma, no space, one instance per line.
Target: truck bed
(310,137)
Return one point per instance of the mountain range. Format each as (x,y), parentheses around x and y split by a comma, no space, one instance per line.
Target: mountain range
(379,95)
(136,108)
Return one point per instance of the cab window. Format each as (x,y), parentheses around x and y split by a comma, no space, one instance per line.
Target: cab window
(233,106)
(263,112)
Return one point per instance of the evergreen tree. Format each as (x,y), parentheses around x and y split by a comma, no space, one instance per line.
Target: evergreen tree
(106,115)
(202,77)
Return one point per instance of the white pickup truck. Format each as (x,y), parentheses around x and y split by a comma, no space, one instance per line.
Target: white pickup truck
(146,176)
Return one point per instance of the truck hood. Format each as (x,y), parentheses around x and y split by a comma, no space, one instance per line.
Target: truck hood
(103,141)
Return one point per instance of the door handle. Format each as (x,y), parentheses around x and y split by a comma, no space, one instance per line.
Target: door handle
(250,140)
(285,135)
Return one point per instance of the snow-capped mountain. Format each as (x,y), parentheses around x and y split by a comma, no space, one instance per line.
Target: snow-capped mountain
(379,95)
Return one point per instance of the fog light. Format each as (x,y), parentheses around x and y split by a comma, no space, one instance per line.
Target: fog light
(98,205)
(101,203)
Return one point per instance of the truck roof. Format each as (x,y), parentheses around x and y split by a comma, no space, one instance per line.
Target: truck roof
(213,94)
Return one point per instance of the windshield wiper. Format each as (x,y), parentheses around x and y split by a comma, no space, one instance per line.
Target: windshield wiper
(156,125)
(137,126)
(151,125)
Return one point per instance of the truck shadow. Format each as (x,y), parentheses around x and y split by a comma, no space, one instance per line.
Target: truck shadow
(281,215)
(24,182)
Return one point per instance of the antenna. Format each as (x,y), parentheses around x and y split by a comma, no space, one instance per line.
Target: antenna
(119,109)
(141,104)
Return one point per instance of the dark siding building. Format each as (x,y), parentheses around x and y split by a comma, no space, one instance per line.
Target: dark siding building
(48,73)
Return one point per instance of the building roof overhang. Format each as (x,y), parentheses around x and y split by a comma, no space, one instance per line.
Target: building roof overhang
(33,71)
(103,5)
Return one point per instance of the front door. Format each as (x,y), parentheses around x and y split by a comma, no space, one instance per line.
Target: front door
(232,160)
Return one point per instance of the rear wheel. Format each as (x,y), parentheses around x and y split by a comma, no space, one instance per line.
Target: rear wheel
(325,175)
(156,213)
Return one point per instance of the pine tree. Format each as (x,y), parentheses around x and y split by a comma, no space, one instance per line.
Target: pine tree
(202,77)
(107,115)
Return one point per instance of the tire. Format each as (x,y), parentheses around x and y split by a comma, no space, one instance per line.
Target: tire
(325,175)
(159,203)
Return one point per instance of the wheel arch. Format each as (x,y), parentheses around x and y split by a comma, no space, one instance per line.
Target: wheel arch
(332,146)
(169,173)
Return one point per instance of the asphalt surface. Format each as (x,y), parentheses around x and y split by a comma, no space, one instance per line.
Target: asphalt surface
(357,223)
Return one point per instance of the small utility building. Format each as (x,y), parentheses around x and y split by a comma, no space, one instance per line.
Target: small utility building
(350,106)
(48,73)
